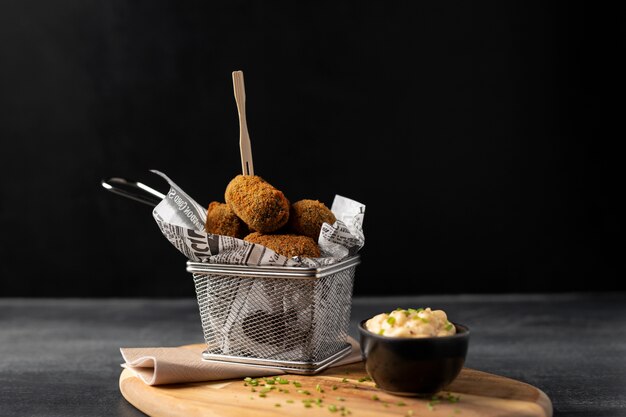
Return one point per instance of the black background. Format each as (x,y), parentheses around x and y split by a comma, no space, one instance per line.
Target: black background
(481,137)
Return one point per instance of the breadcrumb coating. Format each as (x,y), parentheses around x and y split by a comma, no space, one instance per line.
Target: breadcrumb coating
(255,201)
(307,216)
(221,220)
(287,245)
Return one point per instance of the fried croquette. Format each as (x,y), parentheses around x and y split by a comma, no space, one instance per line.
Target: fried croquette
(287,245)
(255,201)
(306,218)
(221,220)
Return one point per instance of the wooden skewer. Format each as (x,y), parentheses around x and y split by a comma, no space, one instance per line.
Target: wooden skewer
(244,138)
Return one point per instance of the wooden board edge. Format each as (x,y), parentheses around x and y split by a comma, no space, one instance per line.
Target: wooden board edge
(128,386)
(545,402)
(542,400)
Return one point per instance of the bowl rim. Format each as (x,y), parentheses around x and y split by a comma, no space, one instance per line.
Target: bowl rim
(464,334)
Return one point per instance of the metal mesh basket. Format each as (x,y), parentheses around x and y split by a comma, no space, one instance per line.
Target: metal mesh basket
(290,318)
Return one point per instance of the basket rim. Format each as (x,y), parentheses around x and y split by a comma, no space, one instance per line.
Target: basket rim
(253,271)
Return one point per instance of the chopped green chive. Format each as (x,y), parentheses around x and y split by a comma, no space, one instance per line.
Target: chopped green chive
(318,388)
(449,326)
(424,320)
(365,378)
(276,405)
(452,398)
(375,397)
(262,395)
(335,387)
(432,403)
(303,391)
(400,404)
(391,320)
(297,384)
(247,379)
(344,380)
(381,331)
(332,408)
(252,389)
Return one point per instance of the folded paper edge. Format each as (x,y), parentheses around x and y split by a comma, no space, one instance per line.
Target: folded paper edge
(137,363)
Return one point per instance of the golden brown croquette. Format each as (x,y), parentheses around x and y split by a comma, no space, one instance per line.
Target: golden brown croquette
(255,201)
(221,220)
(306,218)
(287,245)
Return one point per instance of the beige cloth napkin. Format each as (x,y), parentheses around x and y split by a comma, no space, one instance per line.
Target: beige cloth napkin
(173,365)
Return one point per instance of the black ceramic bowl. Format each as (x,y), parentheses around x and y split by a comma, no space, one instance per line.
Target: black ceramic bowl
(414,366)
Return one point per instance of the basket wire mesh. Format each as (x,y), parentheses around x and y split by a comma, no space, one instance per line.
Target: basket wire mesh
(274,316)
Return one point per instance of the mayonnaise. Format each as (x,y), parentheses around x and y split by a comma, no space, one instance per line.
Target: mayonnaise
(411,323)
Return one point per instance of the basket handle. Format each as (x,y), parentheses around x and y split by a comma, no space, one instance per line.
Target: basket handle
(134,190)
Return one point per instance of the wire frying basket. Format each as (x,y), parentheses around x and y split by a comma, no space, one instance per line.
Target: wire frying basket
(291,318)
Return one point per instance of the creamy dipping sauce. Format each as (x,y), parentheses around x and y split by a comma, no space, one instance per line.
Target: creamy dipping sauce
(411,323)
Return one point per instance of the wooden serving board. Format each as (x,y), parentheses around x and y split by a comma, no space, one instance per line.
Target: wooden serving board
(479,394)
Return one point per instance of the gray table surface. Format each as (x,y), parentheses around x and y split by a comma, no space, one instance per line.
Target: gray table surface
(60,357)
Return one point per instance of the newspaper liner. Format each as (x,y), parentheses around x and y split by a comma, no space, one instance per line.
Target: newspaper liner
(181,220)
